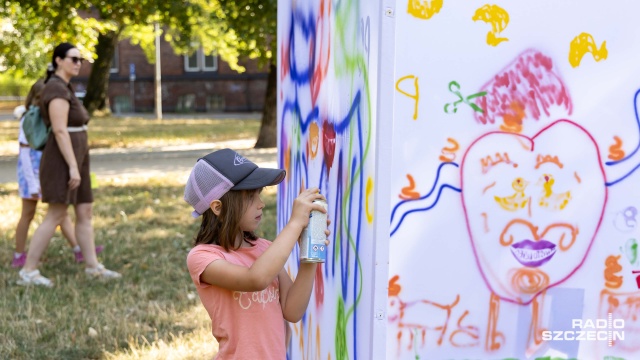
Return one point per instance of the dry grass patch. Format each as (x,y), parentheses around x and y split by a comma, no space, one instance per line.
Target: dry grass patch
(115,132)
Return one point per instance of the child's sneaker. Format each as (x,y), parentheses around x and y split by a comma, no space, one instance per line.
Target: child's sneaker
(102,273)
(19,261)
(33,278)
(80,258)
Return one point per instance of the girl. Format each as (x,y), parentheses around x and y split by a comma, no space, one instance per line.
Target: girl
(65,166)
(240,278)
(29,189)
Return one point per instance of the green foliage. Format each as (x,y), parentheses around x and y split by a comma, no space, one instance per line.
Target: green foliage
(256,23)
(230,28)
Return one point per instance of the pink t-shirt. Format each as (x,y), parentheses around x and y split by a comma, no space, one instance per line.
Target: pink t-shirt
(246,325)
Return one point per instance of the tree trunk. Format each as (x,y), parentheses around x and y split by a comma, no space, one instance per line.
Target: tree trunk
(268,136)
(98,85)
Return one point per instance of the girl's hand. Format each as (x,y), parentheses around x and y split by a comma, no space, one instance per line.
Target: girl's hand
(303,205)
(327,232)
(74,177)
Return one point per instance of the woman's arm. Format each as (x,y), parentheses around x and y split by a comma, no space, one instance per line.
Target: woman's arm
(257,277)
(59,116)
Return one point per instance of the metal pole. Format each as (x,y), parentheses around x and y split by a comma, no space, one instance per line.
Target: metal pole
(158,75)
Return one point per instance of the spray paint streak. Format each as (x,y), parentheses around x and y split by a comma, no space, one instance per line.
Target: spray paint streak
(347,196)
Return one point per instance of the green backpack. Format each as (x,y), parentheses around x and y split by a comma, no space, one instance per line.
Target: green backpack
(34,128)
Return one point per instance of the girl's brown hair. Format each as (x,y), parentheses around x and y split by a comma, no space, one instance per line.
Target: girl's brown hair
(223,229)
(33,98)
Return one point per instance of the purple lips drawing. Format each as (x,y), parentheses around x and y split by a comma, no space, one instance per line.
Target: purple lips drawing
(533,253)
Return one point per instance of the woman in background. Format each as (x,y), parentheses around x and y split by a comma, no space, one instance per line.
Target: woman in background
(65,168)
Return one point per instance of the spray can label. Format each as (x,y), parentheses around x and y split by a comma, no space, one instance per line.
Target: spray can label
(312,242)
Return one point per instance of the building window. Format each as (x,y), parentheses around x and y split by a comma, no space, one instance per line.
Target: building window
(198,61)
(114,62)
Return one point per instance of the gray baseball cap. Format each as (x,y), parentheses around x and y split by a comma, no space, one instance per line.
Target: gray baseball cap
(221,171)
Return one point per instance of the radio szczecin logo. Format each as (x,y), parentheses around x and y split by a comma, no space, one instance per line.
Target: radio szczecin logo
(609,330)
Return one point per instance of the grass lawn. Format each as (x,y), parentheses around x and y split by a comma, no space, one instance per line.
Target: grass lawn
(114,132)
(152,313)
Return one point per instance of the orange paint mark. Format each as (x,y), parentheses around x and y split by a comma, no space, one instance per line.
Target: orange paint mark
(318,342)
(615,151)
(622,305)
(495,16)
(612,267)
(287,161)
(394,287)
(468,331)
(513,121)
(314,139)
(448,153)
(489,162)
(535,329)
(575,174)
(534,232)
(408,192)
(415,97)
(486,224)
(528,280)
(488,187)
(424,9)
(548,159)
(582,44)
(495,338)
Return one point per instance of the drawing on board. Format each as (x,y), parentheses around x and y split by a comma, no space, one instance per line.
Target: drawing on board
(520,207)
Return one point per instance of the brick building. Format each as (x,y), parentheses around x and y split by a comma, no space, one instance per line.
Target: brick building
(195,83)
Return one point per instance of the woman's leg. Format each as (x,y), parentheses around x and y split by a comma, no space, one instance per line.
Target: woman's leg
(42,235)
(84,233)
(22,229)
(66,226)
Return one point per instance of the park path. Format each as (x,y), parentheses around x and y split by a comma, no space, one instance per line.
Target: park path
(166,160)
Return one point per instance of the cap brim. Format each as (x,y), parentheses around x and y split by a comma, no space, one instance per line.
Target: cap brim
(261,177)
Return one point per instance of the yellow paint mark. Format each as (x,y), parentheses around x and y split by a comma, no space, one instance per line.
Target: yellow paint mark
(369,190)
(517,200)
(582,44)
(615,151)
(495,16)
(424,9)
(415,96)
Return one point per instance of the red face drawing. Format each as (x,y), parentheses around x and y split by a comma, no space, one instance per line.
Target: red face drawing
(533,206)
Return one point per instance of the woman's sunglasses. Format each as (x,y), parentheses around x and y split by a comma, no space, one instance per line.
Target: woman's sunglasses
(76,59)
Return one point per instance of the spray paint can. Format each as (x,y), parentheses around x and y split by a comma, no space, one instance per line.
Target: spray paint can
(312,241)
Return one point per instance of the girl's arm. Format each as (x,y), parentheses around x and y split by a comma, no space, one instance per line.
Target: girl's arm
(33,184)
(257,277)
(294,296)
(59,116)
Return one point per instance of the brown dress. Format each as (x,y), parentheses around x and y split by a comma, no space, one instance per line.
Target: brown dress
(54,171)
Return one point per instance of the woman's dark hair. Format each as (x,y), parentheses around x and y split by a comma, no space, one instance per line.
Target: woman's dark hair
(222,230)
(59,52)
